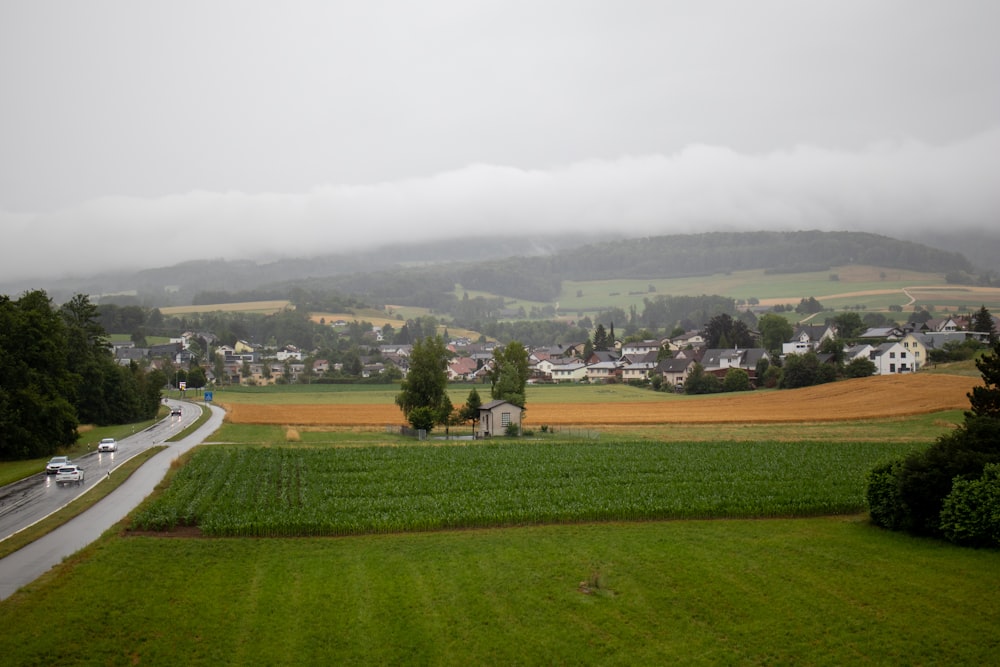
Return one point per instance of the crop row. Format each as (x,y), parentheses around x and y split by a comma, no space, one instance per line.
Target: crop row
(246,491)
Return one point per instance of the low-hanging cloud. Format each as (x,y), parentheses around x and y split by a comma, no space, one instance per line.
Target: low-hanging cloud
(888,188)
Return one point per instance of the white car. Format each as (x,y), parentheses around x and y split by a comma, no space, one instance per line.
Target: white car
(56,462)
(71,473)
(107,445)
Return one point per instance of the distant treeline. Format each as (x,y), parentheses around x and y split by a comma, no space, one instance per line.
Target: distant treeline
(335,284)
(540,278)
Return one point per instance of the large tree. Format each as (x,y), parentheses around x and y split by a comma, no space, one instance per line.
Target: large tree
(470,411)
(426,382)
(985,400)
(982,322)
(849,325)
(509,375)
(88,358)
(722,331)
(601,343)
(36,412)
(775,330)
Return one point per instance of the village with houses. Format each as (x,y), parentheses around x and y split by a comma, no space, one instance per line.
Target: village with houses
(665,363)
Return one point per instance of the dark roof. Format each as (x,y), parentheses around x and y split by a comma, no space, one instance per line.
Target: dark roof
(675,365)
(496,403)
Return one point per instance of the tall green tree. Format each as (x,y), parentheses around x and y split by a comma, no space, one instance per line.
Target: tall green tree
(722,331)
(426,382)
(775,330)
(601,343)
(509,375)
(89,359)
(835,348)
(982,321)
(36,415)
(470,411)
(800,370)
(985,400)
(849,325)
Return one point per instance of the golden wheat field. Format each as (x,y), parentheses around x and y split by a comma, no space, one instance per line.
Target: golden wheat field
(866,398)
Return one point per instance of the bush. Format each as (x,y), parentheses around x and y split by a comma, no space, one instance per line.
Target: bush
(772,377)
(951,489)
(971,513)
(859,368)
(882,495)
(513,430)
(700,382)
(736,379)
(423,418)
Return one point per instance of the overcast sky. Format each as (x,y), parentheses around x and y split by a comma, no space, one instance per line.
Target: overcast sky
(140,134)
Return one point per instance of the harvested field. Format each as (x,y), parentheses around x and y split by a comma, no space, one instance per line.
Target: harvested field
(866,398)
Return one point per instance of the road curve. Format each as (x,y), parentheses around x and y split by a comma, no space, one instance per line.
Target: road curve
(25,565)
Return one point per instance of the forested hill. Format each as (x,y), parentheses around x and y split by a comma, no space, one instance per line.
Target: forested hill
(784,252)
(529,268)
(540,278)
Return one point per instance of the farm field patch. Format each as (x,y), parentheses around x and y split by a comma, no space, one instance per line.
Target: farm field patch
(238,491)
(858,399)
(260,307)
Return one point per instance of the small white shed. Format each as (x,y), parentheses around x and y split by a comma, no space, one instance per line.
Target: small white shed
(496,416)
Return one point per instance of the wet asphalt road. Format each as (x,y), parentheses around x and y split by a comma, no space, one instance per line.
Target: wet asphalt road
(30,500)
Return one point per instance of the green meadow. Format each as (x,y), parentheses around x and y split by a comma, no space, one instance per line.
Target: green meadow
(820,591)
(618,551)
(839,288)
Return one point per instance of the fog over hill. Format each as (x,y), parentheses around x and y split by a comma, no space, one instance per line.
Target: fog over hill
(265,141)
(512,267)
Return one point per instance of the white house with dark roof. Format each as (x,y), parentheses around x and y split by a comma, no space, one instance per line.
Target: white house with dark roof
(571,371)
(640,348)
(603,371)
(807,338)
(637,371)
(891,358)
(675,371)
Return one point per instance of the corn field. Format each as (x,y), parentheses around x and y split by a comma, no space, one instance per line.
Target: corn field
(280,492)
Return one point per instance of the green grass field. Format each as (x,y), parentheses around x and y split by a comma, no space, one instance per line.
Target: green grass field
(592,296)
(822,590)
(300,394)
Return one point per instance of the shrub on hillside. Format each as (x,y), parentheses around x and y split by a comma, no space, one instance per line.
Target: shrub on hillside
(736,379)
(971,512)
(912,494)
(883,496)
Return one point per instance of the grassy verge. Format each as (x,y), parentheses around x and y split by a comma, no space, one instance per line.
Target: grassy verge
(96,493)
(918,429)
(807,591)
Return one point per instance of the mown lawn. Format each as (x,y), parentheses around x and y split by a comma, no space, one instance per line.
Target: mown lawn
(824,591)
